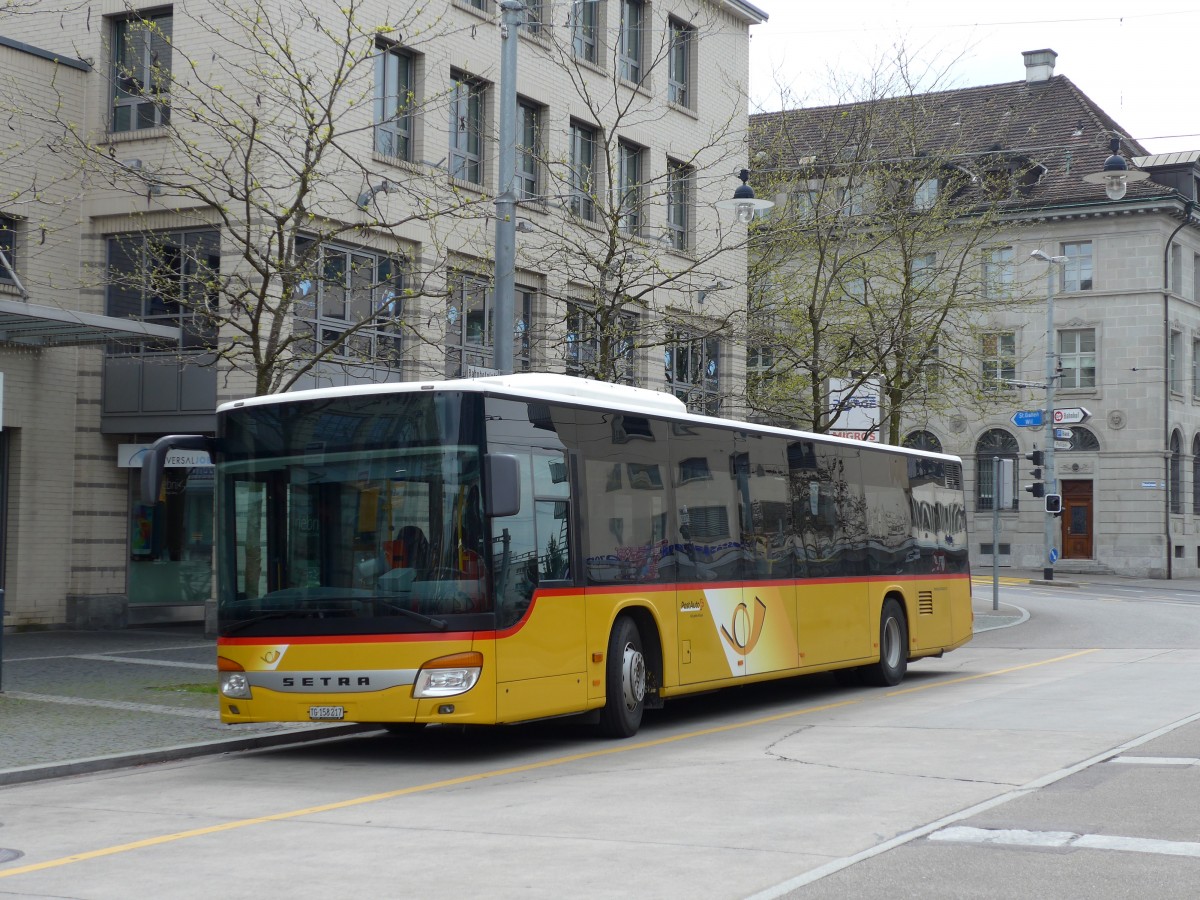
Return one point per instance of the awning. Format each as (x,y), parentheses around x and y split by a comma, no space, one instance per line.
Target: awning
(32,325)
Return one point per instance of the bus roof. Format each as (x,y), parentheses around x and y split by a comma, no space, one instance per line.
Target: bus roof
(557,388)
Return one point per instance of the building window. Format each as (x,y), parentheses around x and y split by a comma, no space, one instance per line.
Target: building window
(535,16)
(680,194)
(679,63)
(995,442)
(1077,358)
(583,170)
(354,305)
(581,22)
(851,199)
(922,440)
(1196,475)
(469,327)
(692,367)
(999,353)
(141,72)
(393,102)
(923,268)
(1176,485)
(1077,272)
(926,194)
(591,341)
(629,48)
(1196,369)
(998,273)
(169,278)
(8,247)
(629,188)
(466,128)
(1175,362)
(1177,269)
(529,150)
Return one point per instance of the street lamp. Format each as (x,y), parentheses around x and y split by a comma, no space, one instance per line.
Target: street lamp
(504,297)
(743,203)
(1116,174)
(1051,479)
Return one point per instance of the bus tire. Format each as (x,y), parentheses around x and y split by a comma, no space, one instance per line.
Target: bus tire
(893,647)
(625,681)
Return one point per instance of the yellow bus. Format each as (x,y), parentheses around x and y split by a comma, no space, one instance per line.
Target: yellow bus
(519,547)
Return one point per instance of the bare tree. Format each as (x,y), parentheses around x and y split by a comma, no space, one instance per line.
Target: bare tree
(267,135)
(882,263)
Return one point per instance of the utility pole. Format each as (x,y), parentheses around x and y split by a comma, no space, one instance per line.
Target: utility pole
(503,300)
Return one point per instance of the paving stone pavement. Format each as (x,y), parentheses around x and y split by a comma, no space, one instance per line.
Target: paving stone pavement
(77,701)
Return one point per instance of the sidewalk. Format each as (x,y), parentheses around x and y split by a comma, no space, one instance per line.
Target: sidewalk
(82,701)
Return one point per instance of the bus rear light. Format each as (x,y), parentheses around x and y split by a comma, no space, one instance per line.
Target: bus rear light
(447,676)
(232,680)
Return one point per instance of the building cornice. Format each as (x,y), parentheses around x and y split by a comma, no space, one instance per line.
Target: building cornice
(45,54)
(747,12)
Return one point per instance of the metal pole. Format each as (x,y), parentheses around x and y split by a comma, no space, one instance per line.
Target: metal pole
(995,532)
(1167,373)
(503,317)
(1049,480)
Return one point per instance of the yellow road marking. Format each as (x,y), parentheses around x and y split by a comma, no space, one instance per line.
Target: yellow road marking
(494,773)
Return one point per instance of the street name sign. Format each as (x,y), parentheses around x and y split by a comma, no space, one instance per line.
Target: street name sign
(1027,418)
(1071,415)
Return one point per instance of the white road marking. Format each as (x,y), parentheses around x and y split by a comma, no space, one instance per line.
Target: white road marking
(1159,760)
(108,657)
(837,865)
(116,704)
(1014,837)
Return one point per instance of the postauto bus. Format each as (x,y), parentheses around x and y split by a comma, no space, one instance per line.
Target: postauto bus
(519,547)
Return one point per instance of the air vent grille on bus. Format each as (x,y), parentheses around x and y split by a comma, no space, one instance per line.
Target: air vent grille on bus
(954,476)
(925,603)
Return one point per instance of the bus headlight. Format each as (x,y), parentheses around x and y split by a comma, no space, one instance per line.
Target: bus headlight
(233,681)
(448,675)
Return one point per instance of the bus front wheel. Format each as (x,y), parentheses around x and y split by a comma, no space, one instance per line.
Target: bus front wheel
(625,681)
(893,647)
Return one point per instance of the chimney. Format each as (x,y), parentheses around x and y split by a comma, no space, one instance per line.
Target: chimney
(1039,65)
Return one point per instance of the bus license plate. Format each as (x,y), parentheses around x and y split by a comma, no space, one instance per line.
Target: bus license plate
(327,712)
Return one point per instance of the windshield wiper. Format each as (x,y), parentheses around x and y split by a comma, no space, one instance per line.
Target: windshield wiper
(439,624)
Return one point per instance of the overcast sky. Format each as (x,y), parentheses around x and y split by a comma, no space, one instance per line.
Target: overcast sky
(1137,61)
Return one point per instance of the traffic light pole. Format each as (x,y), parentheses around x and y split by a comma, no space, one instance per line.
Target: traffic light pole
(1051,480)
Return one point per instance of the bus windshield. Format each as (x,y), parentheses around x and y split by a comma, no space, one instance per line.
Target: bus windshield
(362,516)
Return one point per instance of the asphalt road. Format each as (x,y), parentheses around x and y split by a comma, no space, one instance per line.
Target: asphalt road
(1058,758)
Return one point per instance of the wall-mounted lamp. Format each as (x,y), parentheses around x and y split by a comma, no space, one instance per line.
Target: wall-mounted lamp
(743,203)
(143,172)
(702,293)
(384,187)
(524,226)
(1116,174)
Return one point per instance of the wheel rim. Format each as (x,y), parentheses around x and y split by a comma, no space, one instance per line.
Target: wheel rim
(891,642)
(633,676)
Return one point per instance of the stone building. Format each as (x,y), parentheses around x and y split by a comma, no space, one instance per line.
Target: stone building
(160,150)
(1124,274)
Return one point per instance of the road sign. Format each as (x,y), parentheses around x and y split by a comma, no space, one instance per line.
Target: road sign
(1071,415)
(1027,418)
(1063,434)
(1053,554)
(1063,445)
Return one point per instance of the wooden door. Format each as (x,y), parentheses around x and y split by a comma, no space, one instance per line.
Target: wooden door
(1076,519)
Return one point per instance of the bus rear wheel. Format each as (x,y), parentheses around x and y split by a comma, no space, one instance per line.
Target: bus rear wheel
(893,647)
(625,681)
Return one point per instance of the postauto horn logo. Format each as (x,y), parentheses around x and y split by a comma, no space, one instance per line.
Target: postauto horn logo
(743,632)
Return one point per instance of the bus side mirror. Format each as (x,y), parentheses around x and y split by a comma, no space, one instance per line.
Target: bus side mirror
(503,495)
(155,460)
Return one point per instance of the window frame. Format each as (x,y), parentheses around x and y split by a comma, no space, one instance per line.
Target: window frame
(582,170)
(583,25)
(680,221)
(995,442)
(151,79)
(631,39)
(583,339)
(470,289)
(704,380)
(1079,356)
(631,167)
(8,243)
(467,116)
(998,272)
(1078,273)
(530,117)
(999,363)
(680,63)
(392,86)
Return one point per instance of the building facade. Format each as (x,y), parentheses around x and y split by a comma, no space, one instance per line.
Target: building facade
(258,197)
(1123,275)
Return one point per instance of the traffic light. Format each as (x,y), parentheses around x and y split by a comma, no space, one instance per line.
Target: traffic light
(1038,488)
(1054,504)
